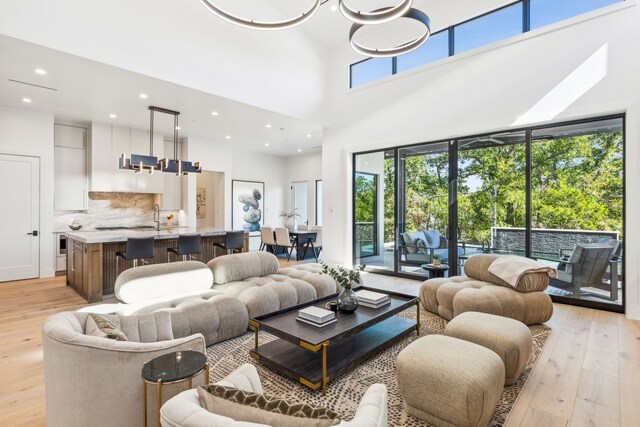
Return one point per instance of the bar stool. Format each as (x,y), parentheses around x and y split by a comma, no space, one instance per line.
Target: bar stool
(188,244)
(233,242)
(138,248)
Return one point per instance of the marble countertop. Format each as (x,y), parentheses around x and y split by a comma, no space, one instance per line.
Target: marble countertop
(97,236)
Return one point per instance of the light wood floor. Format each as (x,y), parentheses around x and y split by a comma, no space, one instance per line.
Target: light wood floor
(587,375)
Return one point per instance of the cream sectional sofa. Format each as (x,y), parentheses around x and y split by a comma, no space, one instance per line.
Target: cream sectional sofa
(256,279)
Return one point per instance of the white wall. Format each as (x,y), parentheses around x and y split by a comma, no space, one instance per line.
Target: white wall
(237,164)
(30,133)
(272,170)
(584,67)
(304,168)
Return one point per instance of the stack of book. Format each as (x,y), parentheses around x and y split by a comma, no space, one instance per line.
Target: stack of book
(372,299)
(316,316)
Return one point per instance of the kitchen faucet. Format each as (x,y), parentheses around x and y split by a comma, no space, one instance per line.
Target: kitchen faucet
(156,216)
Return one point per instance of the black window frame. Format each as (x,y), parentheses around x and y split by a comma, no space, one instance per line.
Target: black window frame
(453,220)
(526,27)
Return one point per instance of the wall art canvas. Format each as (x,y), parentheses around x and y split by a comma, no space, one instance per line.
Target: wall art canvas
(201,202)
(247,205)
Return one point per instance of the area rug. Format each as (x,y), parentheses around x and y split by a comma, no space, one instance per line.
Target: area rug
(344,392)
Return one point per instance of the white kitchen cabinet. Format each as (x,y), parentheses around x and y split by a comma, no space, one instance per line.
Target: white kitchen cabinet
(108,143)
(70,168)
(172,194)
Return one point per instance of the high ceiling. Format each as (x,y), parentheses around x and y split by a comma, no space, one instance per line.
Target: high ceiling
(78,89)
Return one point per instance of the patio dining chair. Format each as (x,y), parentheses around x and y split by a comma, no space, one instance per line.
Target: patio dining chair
(585,268)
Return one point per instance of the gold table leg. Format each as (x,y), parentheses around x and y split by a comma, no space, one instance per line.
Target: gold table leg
(159,400)
(144,409)
(325,380)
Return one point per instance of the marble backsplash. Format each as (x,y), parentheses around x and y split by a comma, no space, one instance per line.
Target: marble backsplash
(115,210)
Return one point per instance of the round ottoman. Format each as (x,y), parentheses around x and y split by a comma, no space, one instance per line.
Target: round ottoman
(449,382)
(508,338)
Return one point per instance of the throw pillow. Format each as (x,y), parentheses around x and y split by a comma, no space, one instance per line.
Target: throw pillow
(433,238)
(246,406)
(422,246)
(98,326)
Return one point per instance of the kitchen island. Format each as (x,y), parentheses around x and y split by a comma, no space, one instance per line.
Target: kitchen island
(91,255)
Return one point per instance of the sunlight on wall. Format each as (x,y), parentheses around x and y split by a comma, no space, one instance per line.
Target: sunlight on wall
(569,90)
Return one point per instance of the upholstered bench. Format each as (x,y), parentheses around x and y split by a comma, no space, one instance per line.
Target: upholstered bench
(484,292)
(449,382)
(508,338)
(255,279)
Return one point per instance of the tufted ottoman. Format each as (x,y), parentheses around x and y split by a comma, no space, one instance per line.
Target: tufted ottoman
(482,291)
(449,382)
(508,338)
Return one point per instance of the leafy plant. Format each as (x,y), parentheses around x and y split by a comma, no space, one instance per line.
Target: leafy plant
(290,214)
(435,256)
(343,276)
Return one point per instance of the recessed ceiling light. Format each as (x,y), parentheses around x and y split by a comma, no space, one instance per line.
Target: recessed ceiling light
(113,116)
(143,96)
(26,100)
(299,150)
(40,71)
(266,144)
(214,113)
(333,8)
(227,137)
(268,125)
(178,128)
(308,135)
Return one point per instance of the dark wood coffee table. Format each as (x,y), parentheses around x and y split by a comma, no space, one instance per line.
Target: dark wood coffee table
(313,355)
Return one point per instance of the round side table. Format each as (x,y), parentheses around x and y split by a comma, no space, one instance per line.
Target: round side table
(172,368)
(435,270)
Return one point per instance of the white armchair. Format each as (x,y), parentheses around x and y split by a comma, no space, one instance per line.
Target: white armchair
(94,381)
(184,410)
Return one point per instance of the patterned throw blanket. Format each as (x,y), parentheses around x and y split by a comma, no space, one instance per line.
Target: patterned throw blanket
(511,267)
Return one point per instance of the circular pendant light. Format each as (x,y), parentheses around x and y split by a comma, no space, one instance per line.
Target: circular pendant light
(412,13)
(258,25)
(379,16)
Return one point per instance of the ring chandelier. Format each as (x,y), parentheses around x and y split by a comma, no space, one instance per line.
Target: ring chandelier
(359,19)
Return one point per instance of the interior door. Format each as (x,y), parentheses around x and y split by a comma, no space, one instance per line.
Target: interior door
(20,218)
(299,201)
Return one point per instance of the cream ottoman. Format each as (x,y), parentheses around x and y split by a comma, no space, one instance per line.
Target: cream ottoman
(508,338)
(449,382)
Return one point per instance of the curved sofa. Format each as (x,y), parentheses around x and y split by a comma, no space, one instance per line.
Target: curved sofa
(483,292)
(184,410)
(93,381)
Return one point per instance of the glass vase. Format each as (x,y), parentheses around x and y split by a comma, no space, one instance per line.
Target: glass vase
(347,301)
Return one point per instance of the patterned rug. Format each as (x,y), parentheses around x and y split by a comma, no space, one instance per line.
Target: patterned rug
(344,393)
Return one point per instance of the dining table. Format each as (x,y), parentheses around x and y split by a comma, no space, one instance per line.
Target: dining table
(302,238)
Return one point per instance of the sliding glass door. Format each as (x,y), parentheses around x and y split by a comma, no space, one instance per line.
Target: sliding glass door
(577,208)
(492,194)
(552,193)
(423,214)
(374,209)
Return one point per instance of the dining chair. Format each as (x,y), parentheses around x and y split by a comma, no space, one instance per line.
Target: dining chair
(315,242)
(283,240)
(302,227)
(266,237)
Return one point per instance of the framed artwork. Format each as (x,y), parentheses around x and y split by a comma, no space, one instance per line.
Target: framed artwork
(247,205)
(201,202)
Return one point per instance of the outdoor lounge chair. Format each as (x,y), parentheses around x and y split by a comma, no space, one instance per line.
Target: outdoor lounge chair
(586,267)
